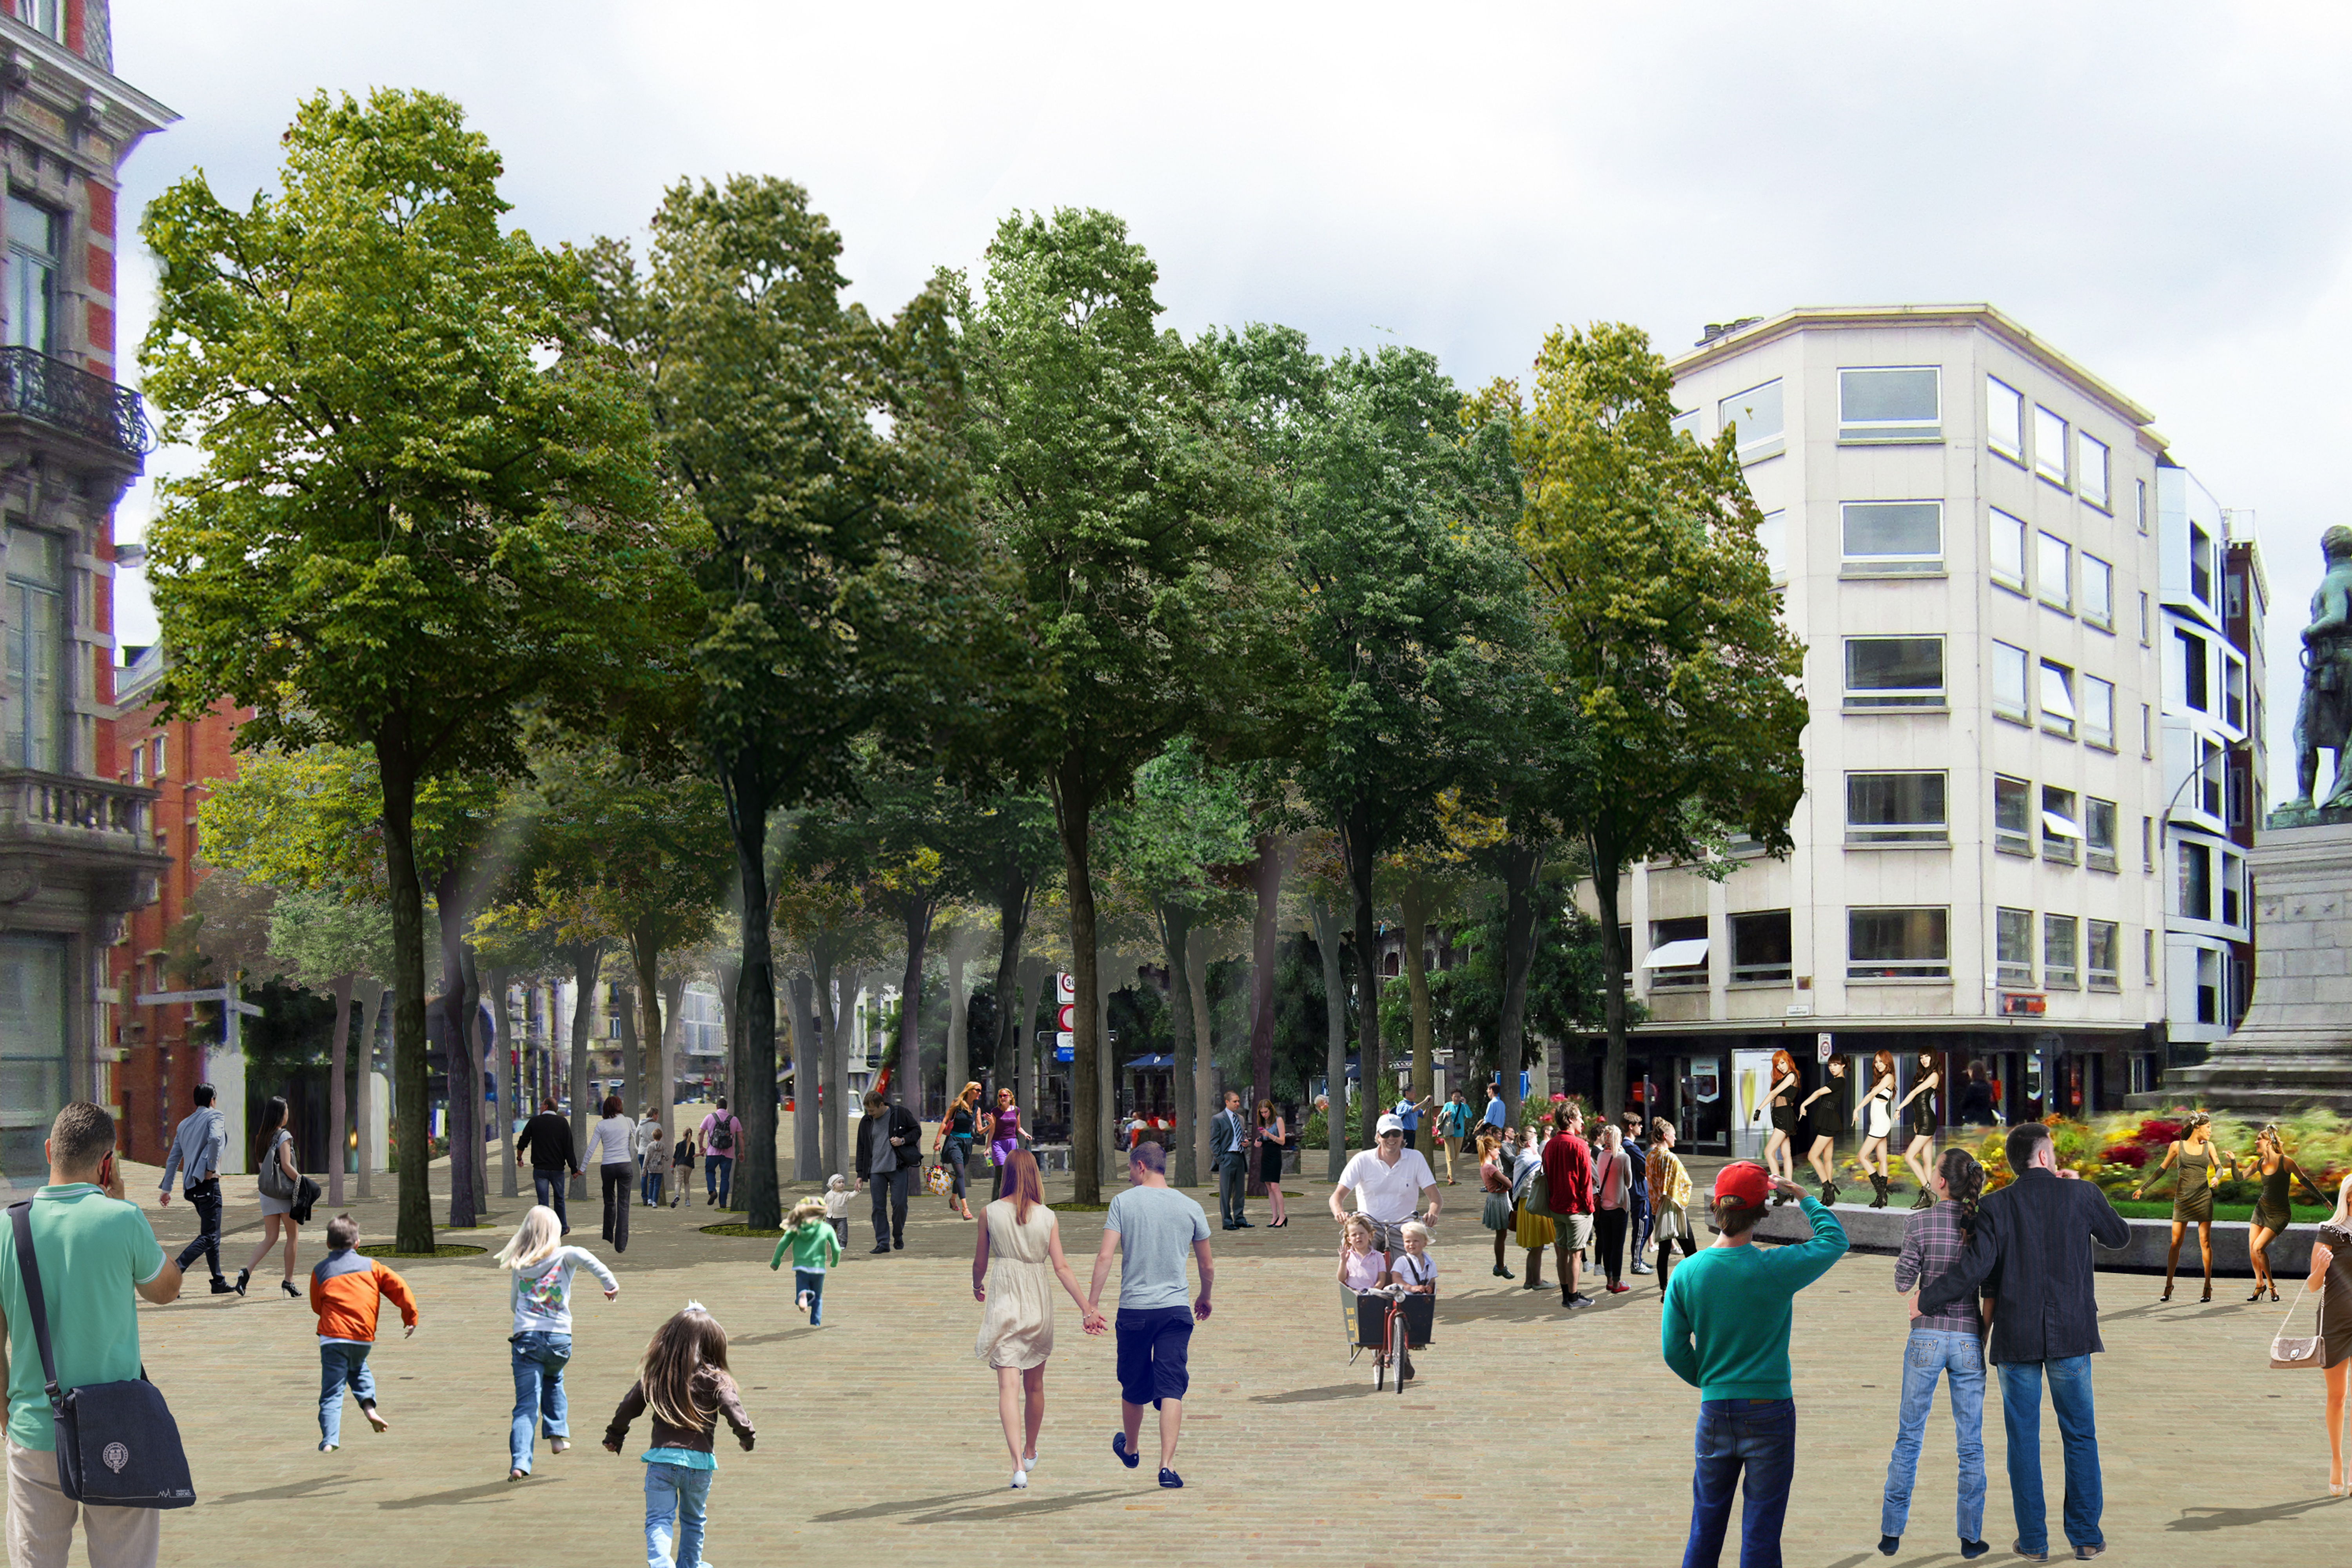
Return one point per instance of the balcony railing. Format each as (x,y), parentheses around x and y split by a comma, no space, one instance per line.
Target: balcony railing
(114,815)
(58,395)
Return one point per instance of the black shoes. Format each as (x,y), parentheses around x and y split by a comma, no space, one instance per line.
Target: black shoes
(242,1275)
(222,1286)
(1829,1194)
(897,1243)
(881,1246)
(287,1286)
(1503,1273)
(1888,1545)
(1118,1446)
(1242,1224)
(1974,1548)
(1878,1186)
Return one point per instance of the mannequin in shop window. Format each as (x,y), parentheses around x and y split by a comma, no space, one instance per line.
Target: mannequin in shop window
(1819,1133)
(1783,1097)
(1920,1153)
(1878,1125)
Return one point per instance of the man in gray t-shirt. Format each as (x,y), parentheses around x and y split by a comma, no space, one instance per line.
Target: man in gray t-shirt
(1149,1228)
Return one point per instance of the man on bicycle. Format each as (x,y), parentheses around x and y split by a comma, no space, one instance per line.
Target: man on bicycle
(1389,1182)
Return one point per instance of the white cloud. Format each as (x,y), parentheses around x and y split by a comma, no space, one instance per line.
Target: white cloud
(2159,189)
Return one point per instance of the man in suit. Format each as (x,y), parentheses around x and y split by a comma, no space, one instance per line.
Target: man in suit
(1229,1153)
(2030,1253)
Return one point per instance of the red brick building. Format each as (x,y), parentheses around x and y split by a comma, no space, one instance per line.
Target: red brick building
(179,759)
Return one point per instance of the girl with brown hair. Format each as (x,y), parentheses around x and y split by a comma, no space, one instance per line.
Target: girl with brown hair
(1273,1137)
(684,1381)
(1783,1099)
(1878,1124)
(958,1128)
(1019,1241)
(273,1156)
(1496,1182)
(2196,1165)
(1925,1124)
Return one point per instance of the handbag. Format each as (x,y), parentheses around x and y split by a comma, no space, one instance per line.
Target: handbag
(2289,1354)
(938,1181)
(273,1182)
(1539,1199)
(118,1446)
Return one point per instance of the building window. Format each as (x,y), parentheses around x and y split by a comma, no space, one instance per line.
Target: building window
(2099,712)
(1894,672)
(2209,986)
(2196,882)
(35,242)
(2098,592)
(1899,944)
(2195,685)
(2233,692)
(2013,949)
(1684,425)
(2241,990)
(2099,834)
(2147,844)
(1895,808)
(2049,446)
(2148,955)
(2147,732)
(1755,413)
(2010,698)
(2057,694)
(2091,469)
(33,641)
(1677,955)
(1893,536)
(2233,593)
(2061,837)
(1890,405)
(157,771)
(2103,954)
(2008,550)
(2004,420)
(2139,504)
(1772,539)
(2051,574)
(2233,875)
(2200,565)
(2214,778)
(1761,948)
(2238,794)
(2012,816)
(2145,637)
(46,18)
(2058,972)
(139,763)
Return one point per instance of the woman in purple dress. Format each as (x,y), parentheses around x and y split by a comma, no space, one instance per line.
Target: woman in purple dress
(1004,1135)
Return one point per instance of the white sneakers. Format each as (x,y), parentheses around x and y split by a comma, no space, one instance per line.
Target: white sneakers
(1020,1480)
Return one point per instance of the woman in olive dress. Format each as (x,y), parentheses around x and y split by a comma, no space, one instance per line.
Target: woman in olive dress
(2272,1216)
(2331,1275)
(2196,1164)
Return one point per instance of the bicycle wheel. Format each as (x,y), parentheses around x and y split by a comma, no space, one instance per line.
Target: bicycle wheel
(1397,1336)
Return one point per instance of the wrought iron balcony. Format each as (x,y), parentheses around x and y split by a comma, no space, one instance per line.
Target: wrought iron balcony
(73,400)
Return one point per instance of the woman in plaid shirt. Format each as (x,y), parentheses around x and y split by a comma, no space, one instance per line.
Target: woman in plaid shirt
(1948,1344)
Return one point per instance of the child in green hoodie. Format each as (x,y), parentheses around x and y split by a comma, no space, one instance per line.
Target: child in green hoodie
(1726,1331)
(810,1238)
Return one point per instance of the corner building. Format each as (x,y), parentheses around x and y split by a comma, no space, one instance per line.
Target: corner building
(76,848)
(1962,524)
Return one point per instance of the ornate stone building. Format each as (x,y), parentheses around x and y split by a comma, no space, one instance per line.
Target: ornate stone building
(76,847)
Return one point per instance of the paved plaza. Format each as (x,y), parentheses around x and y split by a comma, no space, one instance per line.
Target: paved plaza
(1530,1436)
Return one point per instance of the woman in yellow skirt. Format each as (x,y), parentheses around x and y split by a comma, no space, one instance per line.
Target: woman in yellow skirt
(1535,1230)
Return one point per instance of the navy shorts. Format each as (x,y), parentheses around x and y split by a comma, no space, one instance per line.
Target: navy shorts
(1151,1349)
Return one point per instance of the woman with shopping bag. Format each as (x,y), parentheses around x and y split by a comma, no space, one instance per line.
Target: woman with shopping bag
(2330,1348)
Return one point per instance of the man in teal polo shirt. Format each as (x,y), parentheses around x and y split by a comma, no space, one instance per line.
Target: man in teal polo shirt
(94,1250)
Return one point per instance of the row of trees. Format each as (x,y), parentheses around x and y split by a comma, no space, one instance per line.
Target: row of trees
(913,597)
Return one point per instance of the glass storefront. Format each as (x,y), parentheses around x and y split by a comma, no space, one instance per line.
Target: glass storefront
(34,1067)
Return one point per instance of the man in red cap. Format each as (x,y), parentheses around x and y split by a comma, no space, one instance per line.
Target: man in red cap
(1726,1331)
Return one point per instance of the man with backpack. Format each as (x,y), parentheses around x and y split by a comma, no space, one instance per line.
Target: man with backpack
(722,1140)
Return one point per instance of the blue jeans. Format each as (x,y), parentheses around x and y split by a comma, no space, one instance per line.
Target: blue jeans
(539,1360)
(1758,1437)
(718,1175)
(810,1280)
(341,1365)
(2020,1416)
(1933,1353)
(676,1495)
(549,1186)
(651,1186)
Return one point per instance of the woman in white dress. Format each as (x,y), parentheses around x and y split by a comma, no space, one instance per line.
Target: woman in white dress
(1019,1240)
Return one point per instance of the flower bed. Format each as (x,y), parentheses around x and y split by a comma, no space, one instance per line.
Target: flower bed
(2121,1152)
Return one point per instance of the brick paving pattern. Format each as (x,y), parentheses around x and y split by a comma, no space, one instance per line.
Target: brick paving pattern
(1529,1436)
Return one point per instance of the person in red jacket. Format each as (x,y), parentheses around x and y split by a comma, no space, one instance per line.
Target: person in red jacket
(346,1290)
(1567,1185)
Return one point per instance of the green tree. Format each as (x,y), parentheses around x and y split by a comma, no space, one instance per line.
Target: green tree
(420,501)
(838,574)
(1642,546)
(1107,477)
(327,944)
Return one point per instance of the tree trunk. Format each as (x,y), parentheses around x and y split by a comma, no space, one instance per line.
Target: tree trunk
(645,954)
(840,1150)
(1417,980)
(509,1071)
(755,1189)
(337,1119)
(821,1089)
(415,1126)
(1521,861)
(1606,867)
(918,913)
(673,1001)
(1266,881)
(1011,924)
(631,1079)
(371,1157)
(1204,1061)
(1361,853)
(1074,807)
(962,940)
(478,1056)
(808,1158)
(588,966)
(1175,935)
(1328,937)
(1106,1054)
(731,1026)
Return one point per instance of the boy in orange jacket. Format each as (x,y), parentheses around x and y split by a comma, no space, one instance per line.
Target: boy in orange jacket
(345,1291)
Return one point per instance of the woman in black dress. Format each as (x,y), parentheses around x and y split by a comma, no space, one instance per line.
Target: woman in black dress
(2331,1275)
(1273,1136)
(1925,1125)
(1814,1138)
(1777,1158)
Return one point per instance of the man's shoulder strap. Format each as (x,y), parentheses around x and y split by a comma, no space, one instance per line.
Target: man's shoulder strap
(28,1269)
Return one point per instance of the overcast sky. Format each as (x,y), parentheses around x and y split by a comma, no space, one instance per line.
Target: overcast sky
(2157,190)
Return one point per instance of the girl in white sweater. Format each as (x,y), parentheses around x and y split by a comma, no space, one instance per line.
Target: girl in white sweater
(539,1289)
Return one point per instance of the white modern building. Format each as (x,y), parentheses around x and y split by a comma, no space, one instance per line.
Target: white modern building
(1969,532)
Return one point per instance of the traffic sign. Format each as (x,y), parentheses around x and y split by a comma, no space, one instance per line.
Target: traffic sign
(1065,1017)
(1065,988)
(1822,1045)
(1066,1040)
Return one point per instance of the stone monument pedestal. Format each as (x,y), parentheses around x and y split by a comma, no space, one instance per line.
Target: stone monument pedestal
(2294,1049)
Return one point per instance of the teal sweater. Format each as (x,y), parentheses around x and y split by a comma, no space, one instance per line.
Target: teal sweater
(812,1244)
(1726,1325)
